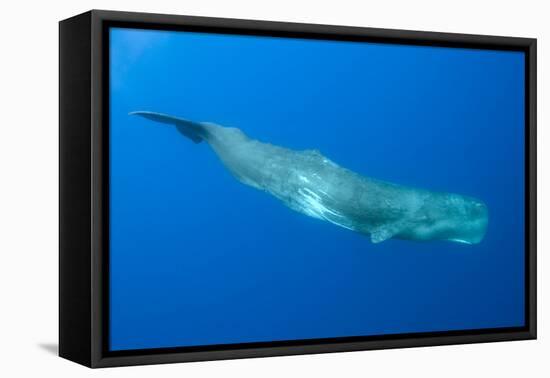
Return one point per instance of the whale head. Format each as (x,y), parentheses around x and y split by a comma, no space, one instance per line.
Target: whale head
(452,217)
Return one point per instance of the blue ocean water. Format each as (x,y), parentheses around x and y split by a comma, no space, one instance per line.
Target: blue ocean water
(197,258)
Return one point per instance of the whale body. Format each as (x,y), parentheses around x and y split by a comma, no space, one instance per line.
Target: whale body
(312,184)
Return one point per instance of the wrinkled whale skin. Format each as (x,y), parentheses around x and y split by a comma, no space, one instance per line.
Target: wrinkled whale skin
(309,183)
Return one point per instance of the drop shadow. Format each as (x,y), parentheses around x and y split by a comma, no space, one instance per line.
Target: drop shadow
(51,348)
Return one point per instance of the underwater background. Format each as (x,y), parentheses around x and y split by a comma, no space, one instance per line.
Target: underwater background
(197,258)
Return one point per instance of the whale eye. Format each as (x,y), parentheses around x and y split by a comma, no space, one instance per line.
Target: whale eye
(479,207)
(477,211)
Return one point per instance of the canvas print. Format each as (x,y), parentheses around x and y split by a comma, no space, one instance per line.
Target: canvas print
(268,189)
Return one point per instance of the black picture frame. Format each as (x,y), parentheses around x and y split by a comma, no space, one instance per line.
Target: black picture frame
(84,188)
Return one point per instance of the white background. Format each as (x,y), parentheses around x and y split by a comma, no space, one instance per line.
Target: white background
(29,187)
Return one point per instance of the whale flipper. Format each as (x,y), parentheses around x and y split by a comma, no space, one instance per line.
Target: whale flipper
(385,232)
(192,130)
(378,236)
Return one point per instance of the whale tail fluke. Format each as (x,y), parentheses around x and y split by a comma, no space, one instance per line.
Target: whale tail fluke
(192,130)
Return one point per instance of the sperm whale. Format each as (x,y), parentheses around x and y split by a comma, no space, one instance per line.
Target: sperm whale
(311,184)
